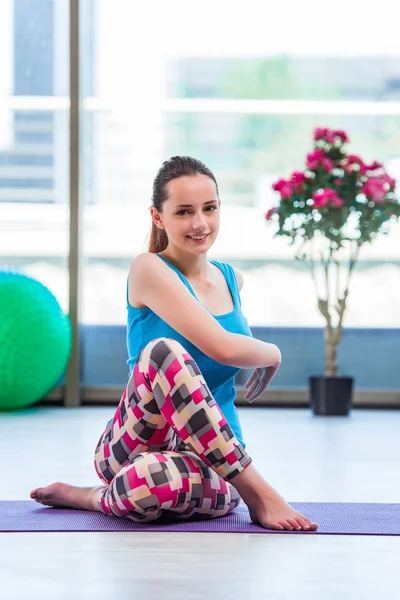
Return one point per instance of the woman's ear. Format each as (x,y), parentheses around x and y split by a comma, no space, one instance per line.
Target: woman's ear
(155,215)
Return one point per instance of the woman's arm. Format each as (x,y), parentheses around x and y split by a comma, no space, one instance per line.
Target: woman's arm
(249,353)
(158,287)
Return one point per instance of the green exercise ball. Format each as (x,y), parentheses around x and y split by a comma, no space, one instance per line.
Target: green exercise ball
(35,340)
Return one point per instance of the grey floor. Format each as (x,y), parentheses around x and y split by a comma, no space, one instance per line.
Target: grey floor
(307,458)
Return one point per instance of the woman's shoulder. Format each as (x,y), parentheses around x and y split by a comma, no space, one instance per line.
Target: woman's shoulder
(139,270)
(150,262)
(144,258)
(238,275)
(146,261)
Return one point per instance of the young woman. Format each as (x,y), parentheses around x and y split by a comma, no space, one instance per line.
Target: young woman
(175,445)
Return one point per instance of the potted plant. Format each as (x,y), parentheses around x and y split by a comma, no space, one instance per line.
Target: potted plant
(329,211)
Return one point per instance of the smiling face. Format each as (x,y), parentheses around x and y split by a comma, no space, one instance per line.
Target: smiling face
(191,210)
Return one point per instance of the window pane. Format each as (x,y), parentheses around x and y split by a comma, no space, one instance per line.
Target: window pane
(34,141)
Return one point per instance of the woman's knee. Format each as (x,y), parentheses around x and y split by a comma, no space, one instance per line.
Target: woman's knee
(136,484)
(147,467)
(160,349)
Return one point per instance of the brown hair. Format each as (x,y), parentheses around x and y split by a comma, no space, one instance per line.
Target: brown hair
(176,166)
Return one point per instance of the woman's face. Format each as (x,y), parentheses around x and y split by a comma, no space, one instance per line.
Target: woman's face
(191,210)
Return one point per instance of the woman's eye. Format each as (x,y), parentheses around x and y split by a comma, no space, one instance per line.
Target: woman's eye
(185,211)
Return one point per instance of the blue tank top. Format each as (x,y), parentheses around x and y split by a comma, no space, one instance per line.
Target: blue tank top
(144,325)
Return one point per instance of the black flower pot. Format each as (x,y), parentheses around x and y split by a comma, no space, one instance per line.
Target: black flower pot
(331,395)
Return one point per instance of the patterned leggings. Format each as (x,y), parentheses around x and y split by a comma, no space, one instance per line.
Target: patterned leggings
(169,449)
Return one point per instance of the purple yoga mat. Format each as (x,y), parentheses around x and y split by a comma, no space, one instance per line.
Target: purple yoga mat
(340,518)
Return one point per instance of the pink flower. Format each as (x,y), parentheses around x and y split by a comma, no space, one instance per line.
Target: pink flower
(270,212)
(338,202)
(342,135)
(374,189)
(278,184)
(330,135)
(320,200)
(318,157)
(284,188)
(387,179)
(373,166)
(326,195)
(323,133)
(297,178)
(353,159)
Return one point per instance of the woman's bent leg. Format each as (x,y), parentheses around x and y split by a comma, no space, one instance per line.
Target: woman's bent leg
(166,402)
(179,484)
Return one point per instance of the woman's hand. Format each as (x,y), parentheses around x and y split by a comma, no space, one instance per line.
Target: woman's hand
(258,381)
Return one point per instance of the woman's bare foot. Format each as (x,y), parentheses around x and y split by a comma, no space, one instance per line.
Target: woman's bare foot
(63,495)
(266,506)
(278,514)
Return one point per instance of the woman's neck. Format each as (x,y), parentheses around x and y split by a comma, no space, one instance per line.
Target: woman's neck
(193,267)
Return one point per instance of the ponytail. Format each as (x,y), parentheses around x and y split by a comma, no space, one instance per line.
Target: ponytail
(158,239)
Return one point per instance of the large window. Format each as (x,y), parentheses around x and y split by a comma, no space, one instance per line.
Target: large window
(241,89)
